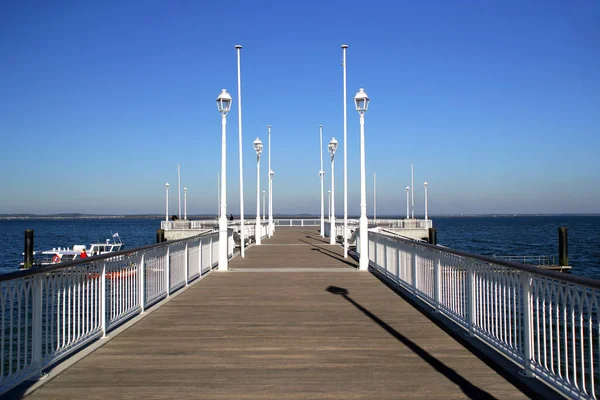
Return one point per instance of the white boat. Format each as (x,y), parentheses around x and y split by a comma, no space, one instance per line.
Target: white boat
(78,251)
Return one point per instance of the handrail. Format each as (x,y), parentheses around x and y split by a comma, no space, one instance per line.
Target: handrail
(575,279)
(48,313)
(544,321)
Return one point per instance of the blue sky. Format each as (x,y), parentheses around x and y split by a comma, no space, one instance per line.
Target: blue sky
(496,103)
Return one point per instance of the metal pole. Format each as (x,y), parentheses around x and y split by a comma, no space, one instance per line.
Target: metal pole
(264,208)
(332,230)
(412,190)
(344,47)
(374,196)
(363,225)
(425,184)
(167,201)
(178,192)
(223,218)
(270,230)
(329,205)
(218,194)
(185,203)
(321,175)
(407,203)
(257,226)
(242,247)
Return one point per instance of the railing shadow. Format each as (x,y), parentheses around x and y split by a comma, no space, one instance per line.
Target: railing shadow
(467,387)
(331,254)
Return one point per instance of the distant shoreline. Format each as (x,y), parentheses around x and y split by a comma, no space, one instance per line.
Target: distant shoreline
(296,216)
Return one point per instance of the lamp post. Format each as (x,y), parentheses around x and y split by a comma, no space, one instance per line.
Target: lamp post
(178,192)
(322,175)
(185,203)
(361,100)
(407,202)
(412,191)
(258,147)
(271,226)
(332,148)
(167,201)
(425,186)
(375,197)
(344,47)
(329,205)
(238,48)
(223,105)
(264,209)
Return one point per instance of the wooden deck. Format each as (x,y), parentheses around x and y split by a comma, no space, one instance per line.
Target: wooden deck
(267,332)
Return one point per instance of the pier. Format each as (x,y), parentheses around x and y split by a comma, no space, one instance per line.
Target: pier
(295,319)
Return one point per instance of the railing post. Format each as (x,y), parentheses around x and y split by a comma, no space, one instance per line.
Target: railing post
(187,267)
(301,222)
(142,283)
(200,257)
(210,261)
(414,268)
(526,312)
(103,300)
(437,280)
(168,272)
(471,317)
(36,321)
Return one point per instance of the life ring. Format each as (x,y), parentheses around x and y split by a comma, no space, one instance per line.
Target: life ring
(55,258)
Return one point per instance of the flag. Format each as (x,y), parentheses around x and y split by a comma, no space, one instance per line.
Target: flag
(116,234)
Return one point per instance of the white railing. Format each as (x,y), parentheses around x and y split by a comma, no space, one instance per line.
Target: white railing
(545,321)
(50,312)
(186,224)
(283,222)
(402,223)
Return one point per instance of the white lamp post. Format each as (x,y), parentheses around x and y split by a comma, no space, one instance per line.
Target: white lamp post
(412,191)
(425,185)
(178,192)
(407,202)
(238,48)
(344,47)
(361,100)
(185,203)
(223,105)
(258,147)
(375,197)
(329,205)
(264,209)
(167,201)
(271,226)
(322,175)
(333,144)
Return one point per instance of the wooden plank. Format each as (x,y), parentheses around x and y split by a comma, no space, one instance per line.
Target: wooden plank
(292,335)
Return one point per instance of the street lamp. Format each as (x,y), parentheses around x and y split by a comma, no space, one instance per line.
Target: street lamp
(258,147)
(333,144)
(238,48)
(407,202)
(329,205)
(223,105)
(271,226)
(345,102)
(322,174)
(425,185)
(185,203)
(361,100)
(264,209)
(167,209)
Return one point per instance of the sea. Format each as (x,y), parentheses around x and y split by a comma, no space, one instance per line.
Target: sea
(486,235)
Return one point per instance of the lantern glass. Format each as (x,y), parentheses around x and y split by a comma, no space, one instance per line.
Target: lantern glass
(224,102)
(258,146)
(332,146)
(361,100)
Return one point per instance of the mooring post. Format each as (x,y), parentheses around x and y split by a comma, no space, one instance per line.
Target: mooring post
(432,236)
(563,252)
(28,261)
(160,235)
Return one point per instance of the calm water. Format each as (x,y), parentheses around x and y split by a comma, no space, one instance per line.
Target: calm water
(482,235)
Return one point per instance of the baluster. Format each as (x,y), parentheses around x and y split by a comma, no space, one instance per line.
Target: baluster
(187,267)
(168,272)
(103,321)
(414,268)
(526,281)
(142,283)
(471,315)
(437,280)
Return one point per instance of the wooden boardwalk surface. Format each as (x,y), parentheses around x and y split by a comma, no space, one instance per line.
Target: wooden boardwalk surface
(333,333)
